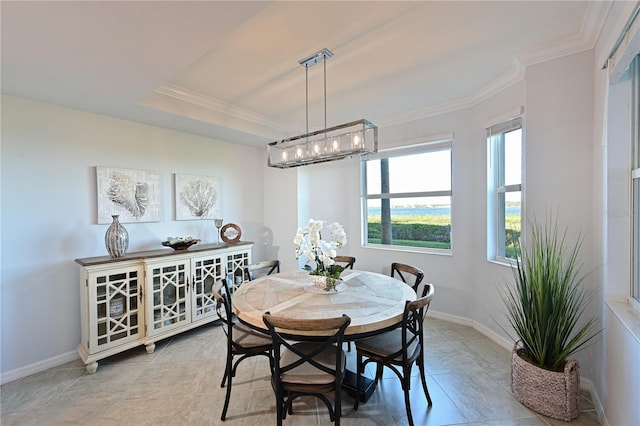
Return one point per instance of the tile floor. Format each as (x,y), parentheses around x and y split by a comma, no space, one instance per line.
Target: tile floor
(179,384)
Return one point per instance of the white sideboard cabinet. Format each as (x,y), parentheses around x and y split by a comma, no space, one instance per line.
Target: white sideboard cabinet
(147,296)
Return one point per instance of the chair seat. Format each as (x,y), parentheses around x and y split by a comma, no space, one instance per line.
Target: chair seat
(247,338)
(387,344)
(307,374)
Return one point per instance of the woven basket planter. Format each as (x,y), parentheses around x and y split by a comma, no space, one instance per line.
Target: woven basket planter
(550,393)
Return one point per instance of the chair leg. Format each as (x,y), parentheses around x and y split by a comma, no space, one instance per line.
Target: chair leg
(227,368)
(424,383)
(280,407)
(358,382)
(279,414)
(338,405)
(226,378)
(289,406)
(407,405)
(379,369)
(406,387)
(423,376)
(226,399)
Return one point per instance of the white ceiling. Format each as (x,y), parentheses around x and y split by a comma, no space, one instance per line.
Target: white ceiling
(229,70)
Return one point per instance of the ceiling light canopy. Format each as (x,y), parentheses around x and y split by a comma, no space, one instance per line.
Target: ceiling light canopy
(333,143)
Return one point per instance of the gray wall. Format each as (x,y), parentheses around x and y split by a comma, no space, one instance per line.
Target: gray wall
(49,155)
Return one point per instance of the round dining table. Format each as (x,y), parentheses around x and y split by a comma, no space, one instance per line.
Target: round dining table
(374,302)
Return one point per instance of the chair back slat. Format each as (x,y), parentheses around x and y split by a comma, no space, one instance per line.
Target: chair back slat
(334,341)
(346,261)
(264,268)
(405,272)
(413,320)
(223,310)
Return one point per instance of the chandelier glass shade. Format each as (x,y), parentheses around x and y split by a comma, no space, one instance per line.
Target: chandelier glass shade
(333,143)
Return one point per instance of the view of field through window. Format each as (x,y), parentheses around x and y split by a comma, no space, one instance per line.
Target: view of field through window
(411,204)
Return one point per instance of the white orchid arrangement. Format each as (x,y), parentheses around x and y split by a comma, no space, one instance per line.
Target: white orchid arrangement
(309,243)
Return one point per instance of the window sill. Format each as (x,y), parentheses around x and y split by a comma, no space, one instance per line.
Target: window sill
(628,316)
(407,249)
(503,262)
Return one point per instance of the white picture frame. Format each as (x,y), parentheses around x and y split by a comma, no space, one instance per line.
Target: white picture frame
(197,197)
(132,194)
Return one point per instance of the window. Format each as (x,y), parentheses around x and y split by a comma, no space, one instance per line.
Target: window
(504,203)
(635,178)
(406,198)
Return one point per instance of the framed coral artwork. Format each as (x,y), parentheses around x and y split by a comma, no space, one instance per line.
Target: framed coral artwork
(132,194)
(197,197)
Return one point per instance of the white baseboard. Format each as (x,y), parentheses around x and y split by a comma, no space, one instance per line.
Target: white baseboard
(451,318)
(505,343)
(37,367)
(492,335)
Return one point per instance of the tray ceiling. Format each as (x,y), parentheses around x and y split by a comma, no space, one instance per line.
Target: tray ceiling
(229,70)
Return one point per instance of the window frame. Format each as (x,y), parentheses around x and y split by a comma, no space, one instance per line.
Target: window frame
(634,184)
(497,189)
(434,145)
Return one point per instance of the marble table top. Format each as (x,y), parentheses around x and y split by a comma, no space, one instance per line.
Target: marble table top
(374,302)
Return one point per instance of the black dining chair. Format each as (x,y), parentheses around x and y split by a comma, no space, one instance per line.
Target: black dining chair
(345,261)
(241,341)
(260,269)
(399,349)
(411,275)
(314,368)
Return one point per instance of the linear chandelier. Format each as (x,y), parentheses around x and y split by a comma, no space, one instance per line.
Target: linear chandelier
(333,143)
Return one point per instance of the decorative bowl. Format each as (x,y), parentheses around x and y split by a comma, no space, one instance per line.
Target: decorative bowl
(180,243)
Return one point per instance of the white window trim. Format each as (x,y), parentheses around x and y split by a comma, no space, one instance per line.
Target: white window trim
(504,123)
(634,199)
(431,144)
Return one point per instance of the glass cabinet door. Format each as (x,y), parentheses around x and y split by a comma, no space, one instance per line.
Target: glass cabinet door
(207,273)
(167,296)
(116,299)
(236,262)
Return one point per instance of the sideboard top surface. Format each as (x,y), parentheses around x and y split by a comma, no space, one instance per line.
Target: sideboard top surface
(98,260)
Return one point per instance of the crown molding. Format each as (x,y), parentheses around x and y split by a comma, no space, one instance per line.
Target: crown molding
(594,20)
(591,26)
(193,97)
(507,80)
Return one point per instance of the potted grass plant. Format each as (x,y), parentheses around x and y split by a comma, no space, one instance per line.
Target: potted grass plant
(547,308)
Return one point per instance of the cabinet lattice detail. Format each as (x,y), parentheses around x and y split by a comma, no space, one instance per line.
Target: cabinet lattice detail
(117,303)
(207,272)
(169,295)
(236,264)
